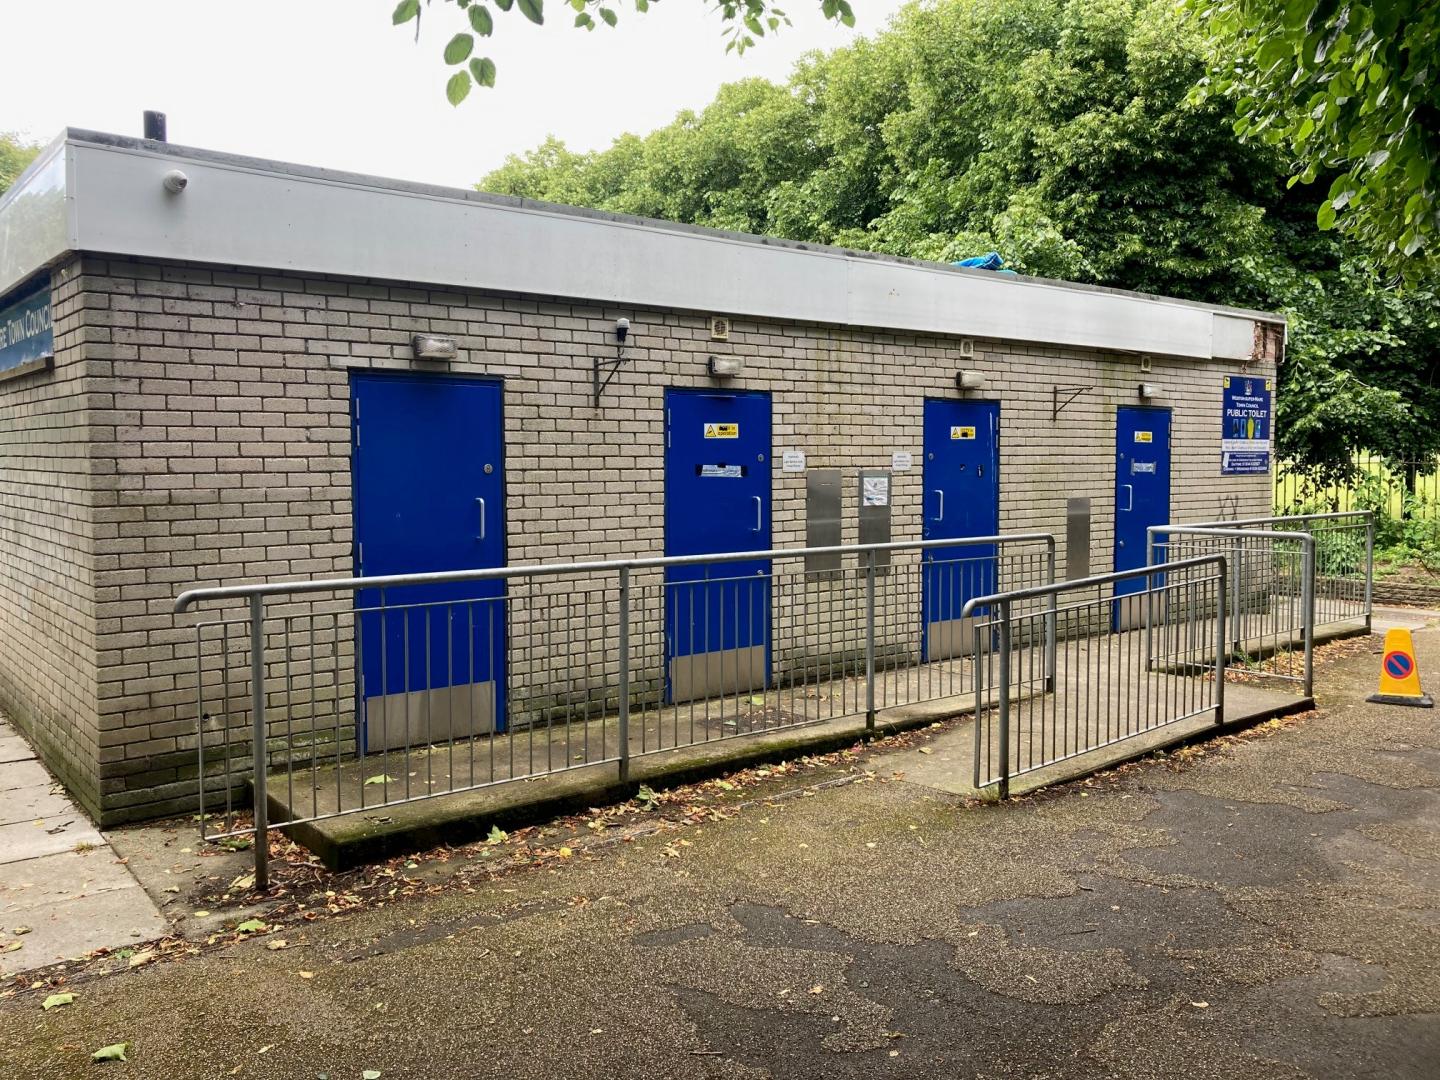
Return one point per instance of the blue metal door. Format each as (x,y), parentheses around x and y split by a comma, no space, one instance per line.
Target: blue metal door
(717,499)
(1142,490)
(428,476)
(962,498)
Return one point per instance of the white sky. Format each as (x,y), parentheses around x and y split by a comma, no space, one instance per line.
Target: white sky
(332,83)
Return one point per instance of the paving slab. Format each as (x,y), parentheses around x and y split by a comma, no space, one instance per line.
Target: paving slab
(25,773)
(33,803)
(59,878)
(46,836)
(68,929)
(53,878)
(13,748)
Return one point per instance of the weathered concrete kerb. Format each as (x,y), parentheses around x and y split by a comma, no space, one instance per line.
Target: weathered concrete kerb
(1265,907)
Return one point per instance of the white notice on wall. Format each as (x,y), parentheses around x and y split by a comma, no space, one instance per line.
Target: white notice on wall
(900,460)
(875,491)
(793,461)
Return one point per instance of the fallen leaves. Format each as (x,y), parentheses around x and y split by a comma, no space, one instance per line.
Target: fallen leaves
(113,1052)
(379,778)
(54,1001)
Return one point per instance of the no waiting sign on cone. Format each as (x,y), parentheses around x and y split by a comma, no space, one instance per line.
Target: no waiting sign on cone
(1399,675)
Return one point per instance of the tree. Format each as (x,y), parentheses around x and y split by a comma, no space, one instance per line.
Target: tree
(1350,89)
(15,156)
(745,21)
(1064,134)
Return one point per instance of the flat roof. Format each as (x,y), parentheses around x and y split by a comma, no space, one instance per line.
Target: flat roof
(95,192)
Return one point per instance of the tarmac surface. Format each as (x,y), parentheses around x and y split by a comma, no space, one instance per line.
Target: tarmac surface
(1269,908)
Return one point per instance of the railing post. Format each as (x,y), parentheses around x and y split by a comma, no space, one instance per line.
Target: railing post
(870,642)
(624,675)
(1307,613)
(1221,653)
(1004,676)
(1149,602)
(257,738)
(1369,569)
(980,668)
(1237,637)
(1050,620)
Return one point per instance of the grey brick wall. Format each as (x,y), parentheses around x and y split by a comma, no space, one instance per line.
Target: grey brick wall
(219,404)
(48,659)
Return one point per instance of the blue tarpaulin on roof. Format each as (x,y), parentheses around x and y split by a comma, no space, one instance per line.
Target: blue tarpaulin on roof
(989,261)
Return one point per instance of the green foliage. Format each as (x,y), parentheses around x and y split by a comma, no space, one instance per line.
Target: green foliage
(1347,87)
(15,157)
(1066,135)
(745,20)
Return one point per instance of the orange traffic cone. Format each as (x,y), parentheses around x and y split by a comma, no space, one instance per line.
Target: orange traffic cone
(1399,676)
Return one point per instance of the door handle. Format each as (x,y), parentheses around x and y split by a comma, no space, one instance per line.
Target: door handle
(941,516)
(759,510)
(481,504)
(1130,490)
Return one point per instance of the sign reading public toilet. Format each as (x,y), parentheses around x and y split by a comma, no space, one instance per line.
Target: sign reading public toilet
(27,337)
(1245,430)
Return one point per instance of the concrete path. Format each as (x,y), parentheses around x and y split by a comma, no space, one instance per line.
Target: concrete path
(1402,618)
(62,891)
(1267,909)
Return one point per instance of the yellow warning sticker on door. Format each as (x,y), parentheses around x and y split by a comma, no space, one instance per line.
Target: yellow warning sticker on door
(1143,436)
(962,433)
(722,431)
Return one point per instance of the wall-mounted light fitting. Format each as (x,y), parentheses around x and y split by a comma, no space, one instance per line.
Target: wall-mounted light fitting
(610,367)
(1148,391)
(429,347)
(725,367)
(969,380)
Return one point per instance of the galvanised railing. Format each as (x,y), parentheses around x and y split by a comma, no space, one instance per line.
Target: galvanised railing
(1116,674)
(1344,561)
(1272,591)
(346,696)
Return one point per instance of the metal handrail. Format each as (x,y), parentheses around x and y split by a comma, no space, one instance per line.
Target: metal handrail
(1306,542)
(1004,600)
(1367,514)
(255,596)
(191,597)
(1036,591)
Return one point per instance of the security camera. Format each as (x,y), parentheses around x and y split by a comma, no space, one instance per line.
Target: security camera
(175,181)
(622,329)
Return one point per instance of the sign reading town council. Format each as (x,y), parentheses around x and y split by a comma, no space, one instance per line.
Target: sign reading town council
(1245,434)
(27,335)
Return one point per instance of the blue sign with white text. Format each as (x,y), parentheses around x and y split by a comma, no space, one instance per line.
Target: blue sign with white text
(27,336)
(1245,435)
